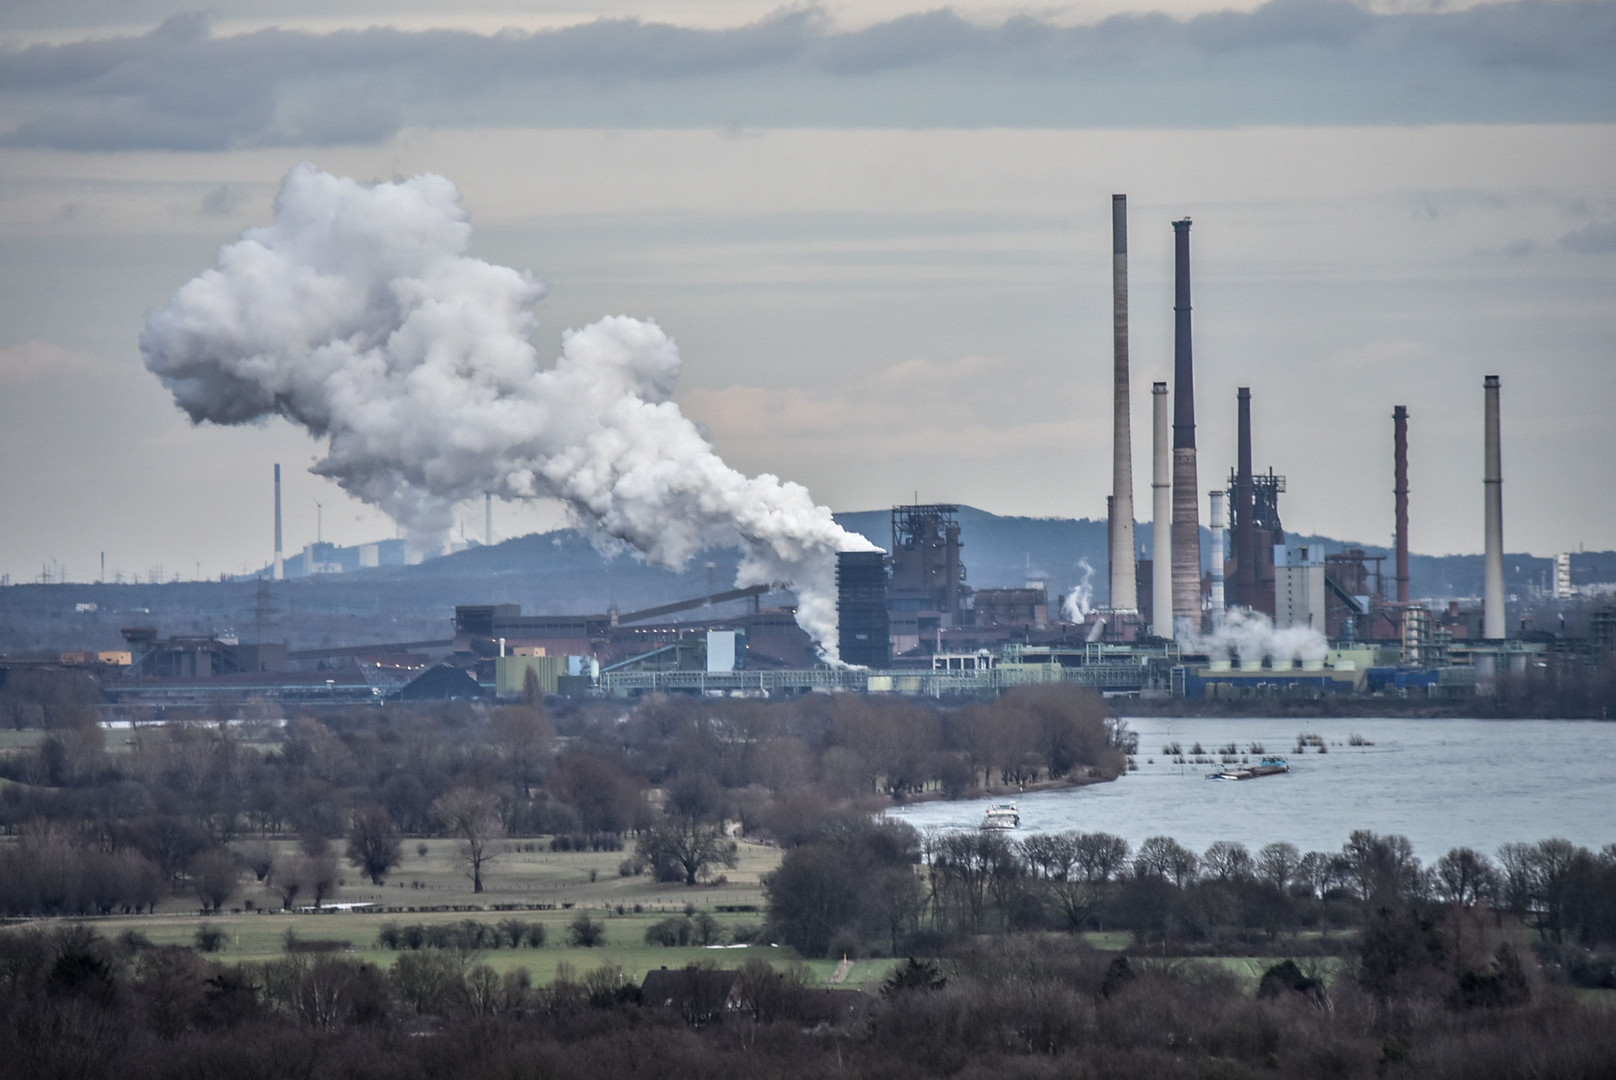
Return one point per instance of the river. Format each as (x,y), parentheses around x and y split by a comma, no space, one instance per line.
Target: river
(1441,783)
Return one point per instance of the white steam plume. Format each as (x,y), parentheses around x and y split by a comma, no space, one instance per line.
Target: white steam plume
(1080,601)
(358,315)
(1246,635)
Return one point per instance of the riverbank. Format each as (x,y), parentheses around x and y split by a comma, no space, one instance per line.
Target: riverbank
(1346,708)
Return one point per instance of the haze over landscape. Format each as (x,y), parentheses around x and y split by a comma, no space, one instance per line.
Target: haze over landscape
(877,234)
(726,539)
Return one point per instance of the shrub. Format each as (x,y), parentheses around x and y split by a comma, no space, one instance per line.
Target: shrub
(209,939)
(585,933)
(668,932)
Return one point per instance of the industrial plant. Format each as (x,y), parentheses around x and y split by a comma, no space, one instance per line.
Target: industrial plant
(1237,609)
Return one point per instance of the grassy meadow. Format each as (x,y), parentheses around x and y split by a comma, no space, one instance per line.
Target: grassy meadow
(427,888)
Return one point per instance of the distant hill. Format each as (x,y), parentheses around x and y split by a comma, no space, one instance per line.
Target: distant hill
(566,571)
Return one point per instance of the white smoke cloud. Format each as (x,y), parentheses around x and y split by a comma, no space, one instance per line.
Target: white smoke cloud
(1246,635)
(1080,601)
(358,315)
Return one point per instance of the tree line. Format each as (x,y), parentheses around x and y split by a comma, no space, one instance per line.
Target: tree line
(199,809)
(1413,999)
(883,886)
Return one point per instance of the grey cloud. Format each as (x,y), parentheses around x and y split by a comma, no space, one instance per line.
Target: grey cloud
(180,87)
(1595,238)
(222,201)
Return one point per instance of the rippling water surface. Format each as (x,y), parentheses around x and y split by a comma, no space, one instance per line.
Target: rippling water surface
(1441,783)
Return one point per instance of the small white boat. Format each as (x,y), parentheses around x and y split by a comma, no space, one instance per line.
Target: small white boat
(1002,815)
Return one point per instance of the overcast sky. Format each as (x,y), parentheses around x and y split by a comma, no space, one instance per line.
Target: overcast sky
(878,231)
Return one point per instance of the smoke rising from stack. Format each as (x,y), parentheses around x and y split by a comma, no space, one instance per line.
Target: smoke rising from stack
(1078,604)
(358,316)
(1186,485)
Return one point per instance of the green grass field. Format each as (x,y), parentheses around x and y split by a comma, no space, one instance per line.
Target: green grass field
(565,882)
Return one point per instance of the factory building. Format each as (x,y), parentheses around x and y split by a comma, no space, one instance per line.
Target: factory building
(1299,587)
(864,624)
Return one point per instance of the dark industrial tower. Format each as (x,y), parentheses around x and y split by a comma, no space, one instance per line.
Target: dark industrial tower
(1124,587)
(1186,487)
(863,634)
(1400,491)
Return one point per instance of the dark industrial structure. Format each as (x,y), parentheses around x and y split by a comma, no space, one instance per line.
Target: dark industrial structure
(1254,518)
(927,591)
(1186,555)
(864,632)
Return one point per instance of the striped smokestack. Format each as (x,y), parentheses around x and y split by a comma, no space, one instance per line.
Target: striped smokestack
(1124,587)
(1400,490)
(1161,497)
(1186,487)
(1492,612)
(280,563)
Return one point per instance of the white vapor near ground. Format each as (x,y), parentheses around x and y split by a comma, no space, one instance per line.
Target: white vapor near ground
(358,315)
(1080,601)
(1245,635)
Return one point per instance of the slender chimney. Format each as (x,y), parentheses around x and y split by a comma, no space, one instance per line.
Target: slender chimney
(1400,490)
(1492,619)
(1217,556)
(280,562)
(1124,587)
(1161,493)
(1186,488)
(488,518)
(1245,510)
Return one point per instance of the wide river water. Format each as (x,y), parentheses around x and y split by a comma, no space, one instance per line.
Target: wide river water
(1441,783)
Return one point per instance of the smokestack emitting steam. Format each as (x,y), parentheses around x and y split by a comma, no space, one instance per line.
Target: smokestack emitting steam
(1492,612)
(358,315)
(1186,488)
(488,519)
(1124,586)
(1400,490)
(280,563)
(1245,507)
(1161,535)
(1216,498)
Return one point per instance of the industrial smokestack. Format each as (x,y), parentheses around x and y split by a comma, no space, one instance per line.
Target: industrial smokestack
(1124,585)
(1161,494)
(1217,557)
(1492,620)
(488,518)
(280,562)
(1186,487)
(1400,490)
(1245,509)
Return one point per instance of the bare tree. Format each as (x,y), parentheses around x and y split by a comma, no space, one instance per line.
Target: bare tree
(688,843)
(1277,863)
(1228,860)
(214,875)
(373,842)
(471,816)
